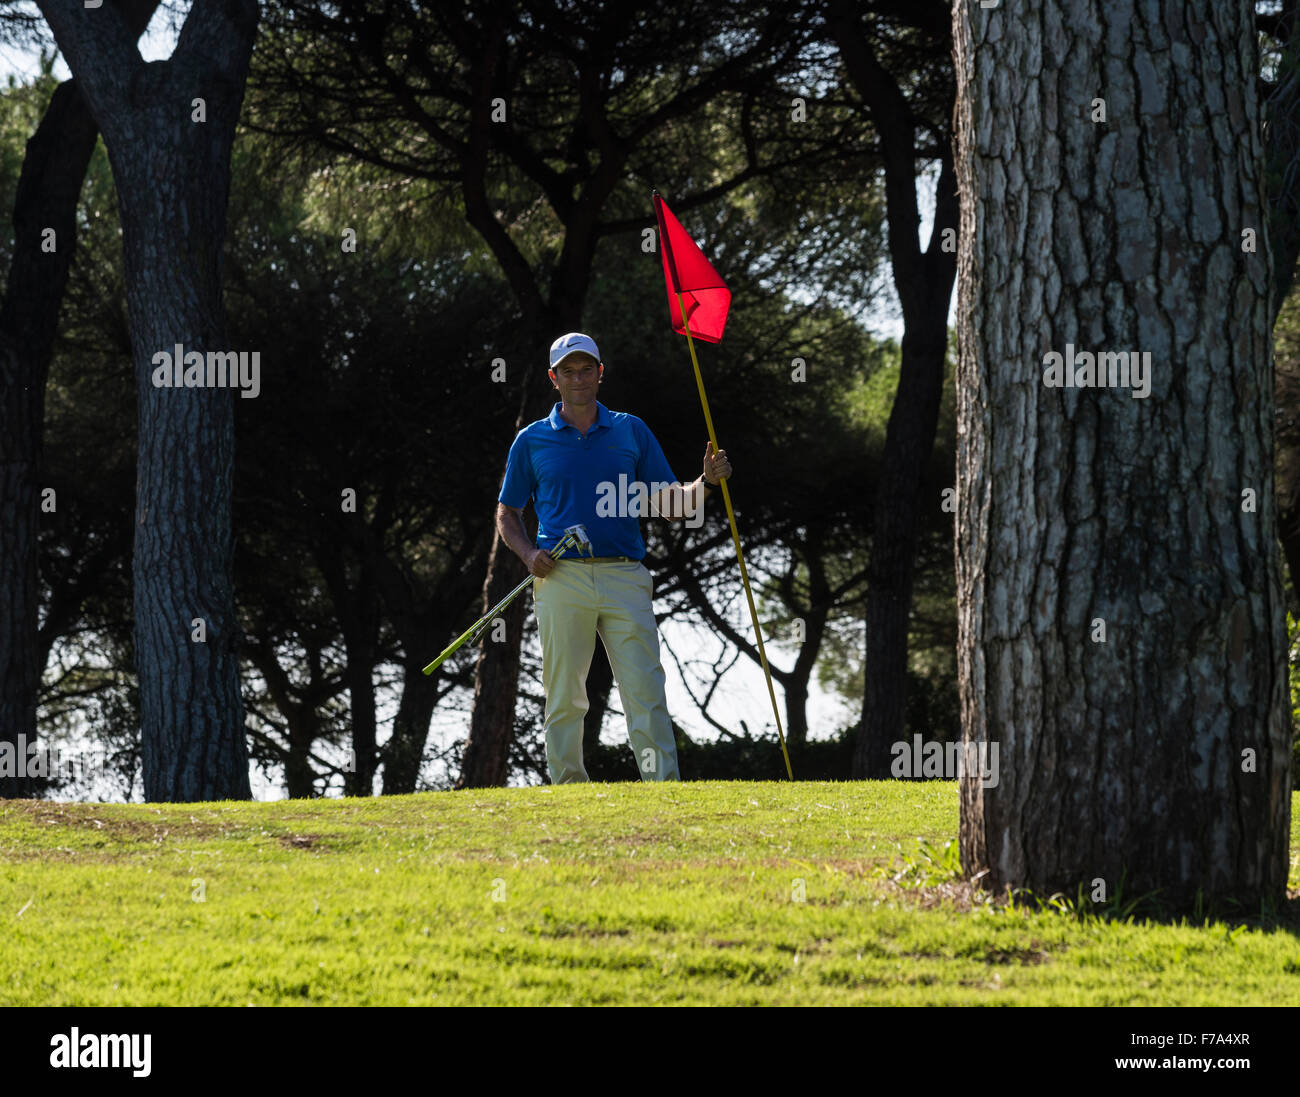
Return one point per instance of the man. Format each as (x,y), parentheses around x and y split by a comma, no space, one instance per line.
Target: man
(570,465)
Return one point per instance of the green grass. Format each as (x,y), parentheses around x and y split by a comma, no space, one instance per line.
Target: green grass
(623,893)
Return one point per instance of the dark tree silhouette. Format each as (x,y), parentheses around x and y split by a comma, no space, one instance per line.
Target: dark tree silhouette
(924,282)
(48,191)
(169,127)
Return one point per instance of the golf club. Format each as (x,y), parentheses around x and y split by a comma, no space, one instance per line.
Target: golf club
(574,537)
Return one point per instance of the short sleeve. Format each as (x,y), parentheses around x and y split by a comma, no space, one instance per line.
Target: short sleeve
(520,484)
(651,466)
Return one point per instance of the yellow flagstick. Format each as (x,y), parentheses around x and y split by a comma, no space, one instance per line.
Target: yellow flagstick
(735,537)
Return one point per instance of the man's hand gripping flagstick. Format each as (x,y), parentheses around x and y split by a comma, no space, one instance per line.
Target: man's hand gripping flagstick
(702,299)
(574,537)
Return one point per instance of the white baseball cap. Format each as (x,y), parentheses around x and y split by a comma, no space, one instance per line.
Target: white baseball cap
(573,343)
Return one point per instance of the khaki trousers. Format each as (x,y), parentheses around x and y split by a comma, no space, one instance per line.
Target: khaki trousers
(575,603)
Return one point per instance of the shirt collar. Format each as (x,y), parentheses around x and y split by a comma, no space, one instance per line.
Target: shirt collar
(603,418)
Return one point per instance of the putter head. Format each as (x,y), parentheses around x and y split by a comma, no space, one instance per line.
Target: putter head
(583,542)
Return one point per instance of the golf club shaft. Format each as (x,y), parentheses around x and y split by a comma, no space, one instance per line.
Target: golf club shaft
(476,629)
(482,623)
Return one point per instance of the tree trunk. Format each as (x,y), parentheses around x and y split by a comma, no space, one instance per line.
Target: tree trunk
(299,777)
(359,613)
(816,614)
(496,675)
(1289,533)
(909,441)
(301,718)
(422,621)
(49,188)
(405,750)
(172,175)
(1155,758)
(1281,140)
(924,284)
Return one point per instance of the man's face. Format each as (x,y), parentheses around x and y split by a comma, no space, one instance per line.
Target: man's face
(576,378)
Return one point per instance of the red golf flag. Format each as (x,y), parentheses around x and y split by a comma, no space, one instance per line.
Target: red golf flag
(703,291)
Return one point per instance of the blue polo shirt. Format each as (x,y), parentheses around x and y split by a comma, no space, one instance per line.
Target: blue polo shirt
(591,481)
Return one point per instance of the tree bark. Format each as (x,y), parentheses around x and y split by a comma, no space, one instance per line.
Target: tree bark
(909,441)
(172,175)
(1282,145)
(496,679)
(496,674)
(360,617)
(1155,759)
(355,596)
(49,189)
(1289,535)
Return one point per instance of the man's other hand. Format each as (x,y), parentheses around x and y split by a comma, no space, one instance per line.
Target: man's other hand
(541,563)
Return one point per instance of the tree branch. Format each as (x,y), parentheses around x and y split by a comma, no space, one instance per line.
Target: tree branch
(892,118)
(100,47)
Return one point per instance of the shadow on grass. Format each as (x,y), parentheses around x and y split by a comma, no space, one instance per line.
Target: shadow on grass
(931,876)
(1150,908)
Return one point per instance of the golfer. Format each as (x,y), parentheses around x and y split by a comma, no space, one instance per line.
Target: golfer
(569,464)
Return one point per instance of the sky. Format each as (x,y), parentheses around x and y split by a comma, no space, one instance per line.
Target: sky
(743,693)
